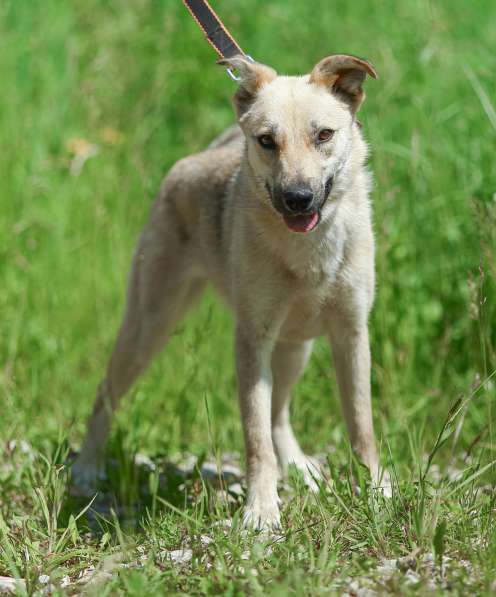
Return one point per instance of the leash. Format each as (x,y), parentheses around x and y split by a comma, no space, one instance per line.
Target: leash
(215,31)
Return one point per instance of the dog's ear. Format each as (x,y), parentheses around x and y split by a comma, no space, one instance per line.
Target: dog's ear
(253,76)
(343,75)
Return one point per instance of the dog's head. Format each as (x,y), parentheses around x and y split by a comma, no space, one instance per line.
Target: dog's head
(299,132)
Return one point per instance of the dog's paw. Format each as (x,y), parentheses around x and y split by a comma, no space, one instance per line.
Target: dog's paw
(262,513)
(383,484)
(381,481)
(310,470)
(85,477)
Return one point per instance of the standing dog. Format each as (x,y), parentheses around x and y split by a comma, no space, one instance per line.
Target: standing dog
(276,214)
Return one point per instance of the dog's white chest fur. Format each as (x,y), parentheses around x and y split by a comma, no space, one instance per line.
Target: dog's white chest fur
(315,268)
(316,263)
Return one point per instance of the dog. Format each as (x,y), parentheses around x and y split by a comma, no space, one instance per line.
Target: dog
(275,213)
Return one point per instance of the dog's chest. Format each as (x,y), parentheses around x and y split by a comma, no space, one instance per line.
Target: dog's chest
(315,265)
(313,287)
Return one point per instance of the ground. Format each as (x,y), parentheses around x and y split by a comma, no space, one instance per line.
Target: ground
(98,101)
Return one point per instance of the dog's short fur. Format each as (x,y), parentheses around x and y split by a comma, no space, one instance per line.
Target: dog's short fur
(275,213)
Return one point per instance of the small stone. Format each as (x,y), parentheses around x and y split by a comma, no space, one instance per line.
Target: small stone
(411,577)
(356,590)
(269,550)
(187,466)
(387,567)
(44,579)
(365,592)
(428,558)
(231,470)
(12,585)
(93,577)
(86,573)
(236,489)
(211,472)
(466,564)
(178,556)
(99,578)
(24,448)
(141,460)
(227,524)
(353,586)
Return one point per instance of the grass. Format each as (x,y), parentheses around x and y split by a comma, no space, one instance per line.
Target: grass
(135,84)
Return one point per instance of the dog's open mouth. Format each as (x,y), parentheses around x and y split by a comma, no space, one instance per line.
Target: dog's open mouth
(302,222)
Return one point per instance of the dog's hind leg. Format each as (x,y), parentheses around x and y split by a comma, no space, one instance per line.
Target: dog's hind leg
(163,286)
(288,363)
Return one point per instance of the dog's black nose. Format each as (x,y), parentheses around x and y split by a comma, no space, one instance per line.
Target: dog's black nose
(298,200)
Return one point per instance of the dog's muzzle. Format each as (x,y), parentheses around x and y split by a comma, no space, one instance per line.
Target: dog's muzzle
(298,200)
(299,206)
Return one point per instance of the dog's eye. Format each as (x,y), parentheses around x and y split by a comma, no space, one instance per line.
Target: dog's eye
(325,135)
(267,141)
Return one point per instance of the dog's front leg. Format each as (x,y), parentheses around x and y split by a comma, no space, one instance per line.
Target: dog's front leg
(253,356)
(351,354)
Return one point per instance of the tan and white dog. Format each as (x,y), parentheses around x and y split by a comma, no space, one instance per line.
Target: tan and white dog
(276,215)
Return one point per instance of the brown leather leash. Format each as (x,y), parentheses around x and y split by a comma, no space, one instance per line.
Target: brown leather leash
(215,31)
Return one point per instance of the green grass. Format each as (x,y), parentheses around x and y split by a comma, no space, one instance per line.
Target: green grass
(74,70)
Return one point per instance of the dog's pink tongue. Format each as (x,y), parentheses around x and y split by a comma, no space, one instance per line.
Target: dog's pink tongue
(302,223)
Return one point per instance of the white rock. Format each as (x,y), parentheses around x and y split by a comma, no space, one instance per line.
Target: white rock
(93,577)
(11,585)
(353,586)
(187,466)
(233,470)
(365,592)
(236,489)
(99,578)
(23,446)
(227,524)
(428,558)
(178,556)
(144,461)
(210,471)
(65,581)
(355,589)
(411,577)
(86,573)
(387,567)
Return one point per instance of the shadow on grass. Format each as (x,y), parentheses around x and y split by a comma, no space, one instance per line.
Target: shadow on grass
(137,489)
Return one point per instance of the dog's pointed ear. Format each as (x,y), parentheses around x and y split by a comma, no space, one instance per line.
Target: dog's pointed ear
(344,75)
(253,76)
